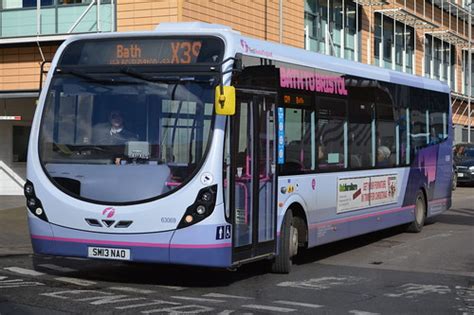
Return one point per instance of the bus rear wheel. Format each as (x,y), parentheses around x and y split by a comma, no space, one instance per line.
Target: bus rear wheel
(420,213)
(288,245)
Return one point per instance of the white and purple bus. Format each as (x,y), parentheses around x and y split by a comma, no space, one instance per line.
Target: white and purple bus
(193,144)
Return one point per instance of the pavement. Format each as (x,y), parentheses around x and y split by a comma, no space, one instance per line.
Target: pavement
(9,202)
(13,213)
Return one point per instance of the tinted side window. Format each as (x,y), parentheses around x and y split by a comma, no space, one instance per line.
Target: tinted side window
(331,133)
(300,140)
(361,116)
(418,118)
(438,122)
(386,127)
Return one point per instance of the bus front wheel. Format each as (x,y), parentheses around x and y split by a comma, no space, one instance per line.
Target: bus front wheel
(420,213)
(288,245)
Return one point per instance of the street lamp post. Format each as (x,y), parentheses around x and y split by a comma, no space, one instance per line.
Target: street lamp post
(469,62)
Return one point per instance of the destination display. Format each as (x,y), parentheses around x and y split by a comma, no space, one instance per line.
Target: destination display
(292,99)
(361,192)
(143,51)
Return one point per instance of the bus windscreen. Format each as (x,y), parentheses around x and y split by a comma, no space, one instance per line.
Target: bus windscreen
(143,51)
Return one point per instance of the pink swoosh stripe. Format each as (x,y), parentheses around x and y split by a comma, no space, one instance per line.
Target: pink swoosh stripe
(136,244)
(360,217)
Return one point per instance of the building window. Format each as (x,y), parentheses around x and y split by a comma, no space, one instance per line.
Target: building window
(439,60)
(29,4)
(332,28)
(393,44)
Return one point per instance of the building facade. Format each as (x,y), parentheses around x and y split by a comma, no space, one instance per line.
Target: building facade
(422,37)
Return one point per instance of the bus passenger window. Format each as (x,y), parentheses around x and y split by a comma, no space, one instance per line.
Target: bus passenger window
(300,141)
(438,122)
(361,113)
(330,133)
(385,128)
(419,135)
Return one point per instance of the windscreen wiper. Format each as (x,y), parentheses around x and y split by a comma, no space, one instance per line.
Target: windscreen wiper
(162,79)
(138,75)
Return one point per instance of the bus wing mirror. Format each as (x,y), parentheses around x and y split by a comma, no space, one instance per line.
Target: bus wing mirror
(225,100)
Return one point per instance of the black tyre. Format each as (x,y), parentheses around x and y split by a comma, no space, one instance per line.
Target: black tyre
(288,245)
(420,213)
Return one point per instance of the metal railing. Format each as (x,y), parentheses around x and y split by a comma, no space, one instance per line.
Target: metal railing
(47,20)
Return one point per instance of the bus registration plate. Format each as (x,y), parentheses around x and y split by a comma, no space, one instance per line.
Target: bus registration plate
(109,253)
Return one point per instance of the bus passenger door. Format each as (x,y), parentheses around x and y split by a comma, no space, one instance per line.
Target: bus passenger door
(253,181)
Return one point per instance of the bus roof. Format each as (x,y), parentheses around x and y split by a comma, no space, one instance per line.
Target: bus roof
(237,43)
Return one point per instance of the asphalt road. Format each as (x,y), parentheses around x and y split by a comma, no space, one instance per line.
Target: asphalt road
(388,272)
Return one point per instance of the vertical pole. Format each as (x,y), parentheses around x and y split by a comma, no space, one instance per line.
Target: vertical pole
(470,77)
(413,62)
(441,72)
(112,14)
(432,58)
(306,35)
(328,19)
(280,8)
(356,48)
(381,52)
(371,30)
(394,45)
(343,31)
(98,16)
(404,56)
(449,67)
(38,17)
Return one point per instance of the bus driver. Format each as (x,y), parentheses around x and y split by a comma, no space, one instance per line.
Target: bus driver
(113,133)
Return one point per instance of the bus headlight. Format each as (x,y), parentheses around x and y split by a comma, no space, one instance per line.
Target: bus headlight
(201,210)
(29,190)
(202,207)
(33,203)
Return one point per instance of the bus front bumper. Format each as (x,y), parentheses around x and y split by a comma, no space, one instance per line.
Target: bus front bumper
(170,247)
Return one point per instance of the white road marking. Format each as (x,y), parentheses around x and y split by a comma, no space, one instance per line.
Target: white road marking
(69,294)
(190,298)
(299,304)
(466,295)
(24,271)
(57,268)
(223,296)
(321,283)
(269,308)
(356,312)
(81,282)
(154,302)
(1,278)
(109,298)
(183,309)
(226,312)
(132,290)
(20,284)
(16,283)
(10,281)
(411,290)
(171,287)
